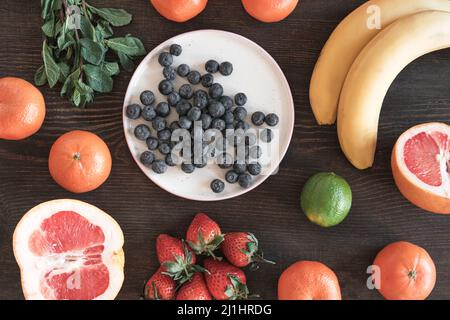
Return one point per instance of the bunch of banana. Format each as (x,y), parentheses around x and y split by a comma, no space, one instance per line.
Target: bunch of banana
(361,60)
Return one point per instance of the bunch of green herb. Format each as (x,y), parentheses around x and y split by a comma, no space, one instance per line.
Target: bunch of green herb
(79,50)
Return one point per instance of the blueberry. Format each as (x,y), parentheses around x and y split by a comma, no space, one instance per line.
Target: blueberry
(174,126)
(217,186)
(164,148)
(186,91)
(173,98)
(215,91)
(227,102)
(237,138)
(194,114)
(240,99)
(216,109)
(200,99)
(142,132)
(148,113)
(240,168)
(169,73)
(171,160)
(206,121)
(183,107)
(245,180)
(226,68)
(240,113)
(175,49)
(165,134)
(200,163)
(211,66)
(162,109)
(231,176)
(184,122)
(218,124)
(152,143)
(255,152)
(254,169)
(165,59)
(165,87)
(147,97)
(194,77)
(183,70)
(225,160)
(207,80)
(228,117)
(250,139)
(272,119)
(267,135)
(258,118)
(133,111)
(187,167)
(229,126)
(159,123)
(159,166)
(242,125)
(147,158)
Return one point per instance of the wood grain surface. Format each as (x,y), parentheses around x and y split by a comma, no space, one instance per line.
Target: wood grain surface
(380,215)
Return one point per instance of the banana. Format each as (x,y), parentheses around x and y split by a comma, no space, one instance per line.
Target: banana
(347,41)
(373,72)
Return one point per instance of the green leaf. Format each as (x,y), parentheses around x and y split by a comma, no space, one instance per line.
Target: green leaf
(57,5)
(64,71)
(125,61)
(103,30)
(49,25)
(86,27)
(51,68)
(65,40)
(69,83)
(58,28)
(91,51)
(111,68)
(131,46)
(46,6)
(76,97)
(97,79)
(83,88)
(40,78)
(117,17)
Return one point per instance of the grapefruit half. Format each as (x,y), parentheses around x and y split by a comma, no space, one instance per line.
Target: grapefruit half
(69,250)
(421,166)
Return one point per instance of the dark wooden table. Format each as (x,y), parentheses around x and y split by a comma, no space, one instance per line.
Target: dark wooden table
(380,215)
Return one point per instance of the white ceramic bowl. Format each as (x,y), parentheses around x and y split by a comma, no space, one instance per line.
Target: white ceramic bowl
(255,73)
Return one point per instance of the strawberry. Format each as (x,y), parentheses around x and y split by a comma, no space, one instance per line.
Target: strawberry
(176,258)
(204,235)
(241,249)
(225,281)
(160,287)
(194,289)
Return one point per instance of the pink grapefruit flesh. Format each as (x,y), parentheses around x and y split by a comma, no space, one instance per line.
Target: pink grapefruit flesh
(69,250)
(421,166)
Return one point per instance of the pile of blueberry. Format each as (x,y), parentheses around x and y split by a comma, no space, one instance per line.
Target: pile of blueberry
(211,108)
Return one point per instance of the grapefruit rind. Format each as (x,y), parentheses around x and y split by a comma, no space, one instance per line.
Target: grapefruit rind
(435,199)
(112,255)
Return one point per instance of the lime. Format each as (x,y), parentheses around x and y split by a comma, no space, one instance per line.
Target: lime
(326,199)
